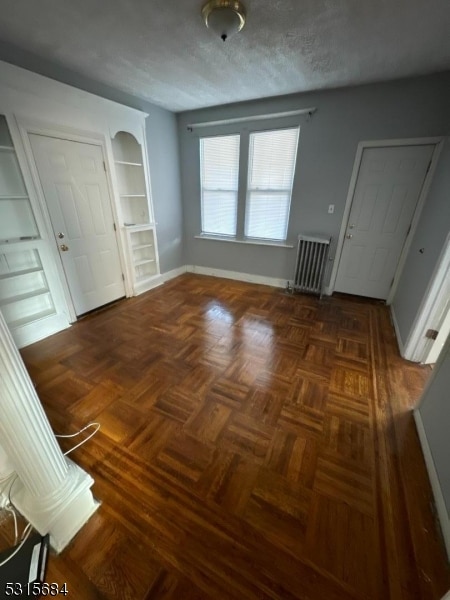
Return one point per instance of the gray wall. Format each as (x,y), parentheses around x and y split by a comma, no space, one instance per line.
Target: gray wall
(162,146)
(328,142)
(435,413)
(430,236)
(162,143)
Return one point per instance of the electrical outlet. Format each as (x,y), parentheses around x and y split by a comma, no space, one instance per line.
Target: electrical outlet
(330,209)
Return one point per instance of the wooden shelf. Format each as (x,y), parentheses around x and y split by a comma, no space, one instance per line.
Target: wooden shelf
(25,296)
(31,318)
(128,164)
(143,262)
(16,213)
(24,238)
(19,273)
(142,278)
(139,226)
(140,246)
(132,185)
(136,209)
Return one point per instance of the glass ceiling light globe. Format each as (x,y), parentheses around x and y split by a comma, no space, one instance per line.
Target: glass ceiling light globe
(224,17)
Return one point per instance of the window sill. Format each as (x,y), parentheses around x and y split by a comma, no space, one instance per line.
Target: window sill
(220,238)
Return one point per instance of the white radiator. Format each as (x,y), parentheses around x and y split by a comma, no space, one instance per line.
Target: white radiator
(312,255)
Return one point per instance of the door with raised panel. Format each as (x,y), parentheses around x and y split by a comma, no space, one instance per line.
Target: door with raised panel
(387,190)
(76,191)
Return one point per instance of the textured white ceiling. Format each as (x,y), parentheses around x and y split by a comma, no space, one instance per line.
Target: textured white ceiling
(161,51)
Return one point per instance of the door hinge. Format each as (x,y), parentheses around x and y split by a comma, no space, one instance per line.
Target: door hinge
(432,334)
(115,228)
(123,277)
(429,167)
(104,166)
(409,229)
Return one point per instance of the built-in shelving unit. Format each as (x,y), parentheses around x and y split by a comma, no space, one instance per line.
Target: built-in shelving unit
(16,215)
(35,286)
(136,211)
(25,296)
(24,293)
(134,201)
(143,250)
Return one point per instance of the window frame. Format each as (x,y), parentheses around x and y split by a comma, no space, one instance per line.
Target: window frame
(244,133)
(268,191)
(223,190)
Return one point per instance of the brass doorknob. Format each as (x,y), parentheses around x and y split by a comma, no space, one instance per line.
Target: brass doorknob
(64,248)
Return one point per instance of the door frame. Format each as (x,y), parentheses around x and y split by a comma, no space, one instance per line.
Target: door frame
(438,143)
(417,347)
(29,126)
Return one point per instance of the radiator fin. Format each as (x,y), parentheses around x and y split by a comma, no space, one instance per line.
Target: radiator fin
(312,255)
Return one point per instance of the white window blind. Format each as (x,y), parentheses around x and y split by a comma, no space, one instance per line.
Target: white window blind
(219,168)
(271,166)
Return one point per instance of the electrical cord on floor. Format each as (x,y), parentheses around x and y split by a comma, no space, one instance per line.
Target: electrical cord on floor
(71,435)
(16,531)
(12,478)
(5,480)
(25,536)
(16,477)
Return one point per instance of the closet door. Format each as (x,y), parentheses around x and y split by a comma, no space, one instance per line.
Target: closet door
(76,191)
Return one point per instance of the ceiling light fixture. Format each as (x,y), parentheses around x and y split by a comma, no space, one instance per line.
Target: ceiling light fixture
(224,17)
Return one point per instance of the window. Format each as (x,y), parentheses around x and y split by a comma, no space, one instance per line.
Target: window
(271,168)
(265,204)
(219,169)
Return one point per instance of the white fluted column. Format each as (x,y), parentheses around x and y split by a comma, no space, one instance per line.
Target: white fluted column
(6,467)
(51,491)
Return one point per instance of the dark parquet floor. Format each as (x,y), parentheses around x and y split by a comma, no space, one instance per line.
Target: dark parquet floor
(253,445)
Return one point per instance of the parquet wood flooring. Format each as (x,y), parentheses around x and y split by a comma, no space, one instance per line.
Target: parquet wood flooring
(253,445)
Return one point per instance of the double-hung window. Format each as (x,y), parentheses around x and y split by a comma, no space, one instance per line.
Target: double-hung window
(264,213)
(219,171)
(271,165)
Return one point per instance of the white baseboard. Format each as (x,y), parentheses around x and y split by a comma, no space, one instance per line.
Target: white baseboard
(38,330)
(174,273)
(434,480)
(401,346)
(261,279)
(148,285)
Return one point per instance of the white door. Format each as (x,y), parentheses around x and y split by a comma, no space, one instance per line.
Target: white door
(439,315)
(74,183)
(443,329)
(388,187)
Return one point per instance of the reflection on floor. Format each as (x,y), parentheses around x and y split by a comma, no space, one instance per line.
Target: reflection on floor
(254,445)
